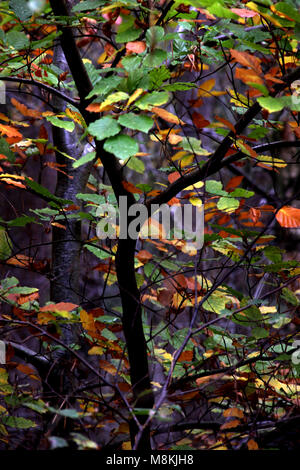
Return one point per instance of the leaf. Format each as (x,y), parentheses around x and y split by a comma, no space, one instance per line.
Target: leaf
(193,145)
(243,12)
(137,122)
(271,104)
(69,126)
(205,87)
(252,445)
(10,131)
(101,254)
(155,58)
(228,204)
(18,422)
(246,59)
(105,86)
(137,47)
(24,110)
(247,76)
(88,5)
(104,127)
(5,150)
(288,217)
(135,164)
(111,99)
(110,368)
(234,182)
(166,116)
(17,39)
(157,98)
(59,307)
(122,146)
(39,189)
(21,9)
(88,157)
(5,245)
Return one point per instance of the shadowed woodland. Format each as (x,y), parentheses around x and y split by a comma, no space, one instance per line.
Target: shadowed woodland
(143,343)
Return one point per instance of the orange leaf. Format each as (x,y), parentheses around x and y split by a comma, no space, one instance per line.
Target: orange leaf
(169,117)
(288,217)
(136,46)
(247,76)
(110,368)
(233,412)
(255,214)
(10,131)
(173,176)
(24,110)
(230,424)
(234,182)
(186,356)
(226,123)
(252,445)
(60,307)
(247,60)
(206,87)
(131,188)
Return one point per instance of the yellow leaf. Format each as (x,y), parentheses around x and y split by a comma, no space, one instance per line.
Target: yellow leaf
(196,201)
(126,445)
(97,350)
(266,309)
(164,355)
(166,116)
(206,87)
(134,96)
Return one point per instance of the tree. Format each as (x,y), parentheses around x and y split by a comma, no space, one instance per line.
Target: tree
(114,90)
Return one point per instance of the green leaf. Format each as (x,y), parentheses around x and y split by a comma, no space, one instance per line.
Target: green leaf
(17,39)
(154,35)
(158,75)
(193,145)
(289,296)
(96,198)
(215,187)
(156,98)
(69,126)
(241,192)
(5,245)
(18,422)
(104,127)
(122,146)
(228,204)
(21,9)
(5,150)
(136,164)
(39,189)
(105,86)
(180,86)
(137,122)
(288,10)
(155,58)
(21,221)
(128,35)
(23,290)
(258,333)
(98,252)
(271,104)
(88,157)
(88,5)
